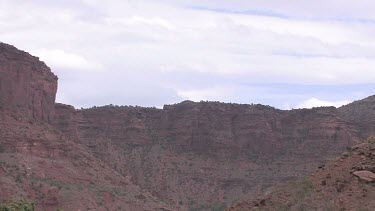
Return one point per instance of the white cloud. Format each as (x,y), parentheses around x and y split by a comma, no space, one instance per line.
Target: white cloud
(58,58)
(154,21)
(319,9)
(314,102)
(214,94)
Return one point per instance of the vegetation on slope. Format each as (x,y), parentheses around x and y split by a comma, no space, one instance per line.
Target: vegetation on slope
(19,205)
(347,183)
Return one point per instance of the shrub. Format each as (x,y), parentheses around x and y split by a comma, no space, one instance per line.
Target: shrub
(305,187)
(218,207)
(21,205)
(2,149)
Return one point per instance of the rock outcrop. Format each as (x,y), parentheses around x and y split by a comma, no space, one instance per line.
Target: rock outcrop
(365,175)
(27,85)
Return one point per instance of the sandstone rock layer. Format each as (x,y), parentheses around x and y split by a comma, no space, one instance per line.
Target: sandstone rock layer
(27,85)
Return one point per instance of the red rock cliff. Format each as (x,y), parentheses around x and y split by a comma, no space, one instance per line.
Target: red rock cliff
(27,85)
(207,153)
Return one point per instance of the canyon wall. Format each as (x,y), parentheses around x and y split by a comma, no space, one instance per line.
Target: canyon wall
(27,85)
(207,154)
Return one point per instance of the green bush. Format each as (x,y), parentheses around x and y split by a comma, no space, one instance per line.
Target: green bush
(304,188)
(2,149)
(218,207)
(21,205)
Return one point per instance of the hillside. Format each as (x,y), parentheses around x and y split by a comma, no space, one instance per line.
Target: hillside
(362,114)
(343,184)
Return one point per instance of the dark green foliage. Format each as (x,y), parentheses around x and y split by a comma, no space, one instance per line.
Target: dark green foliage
(282,207)
(21,205)
(304,188)
(2,150)
(218,206)
(18,178)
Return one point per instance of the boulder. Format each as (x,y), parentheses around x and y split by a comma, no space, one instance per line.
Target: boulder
(365,175)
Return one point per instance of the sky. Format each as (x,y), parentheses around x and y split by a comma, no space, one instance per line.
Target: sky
(285,53)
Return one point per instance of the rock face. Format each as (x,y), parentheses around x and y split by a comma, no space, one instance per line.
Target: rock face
(252,130)
(362,114)
(27,85)
(207,154)
(186,156)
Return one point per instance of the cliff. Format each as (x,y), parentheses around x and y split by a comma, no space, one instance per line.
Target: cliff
(27,85)
(40,162)
(207,154)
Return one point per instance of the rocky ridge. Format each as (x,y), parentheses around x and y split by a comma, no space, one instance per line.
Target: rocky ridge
(208,154)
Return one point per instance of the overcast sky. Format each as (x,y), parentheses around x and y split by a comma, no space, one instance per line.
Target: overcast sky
(285,53)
